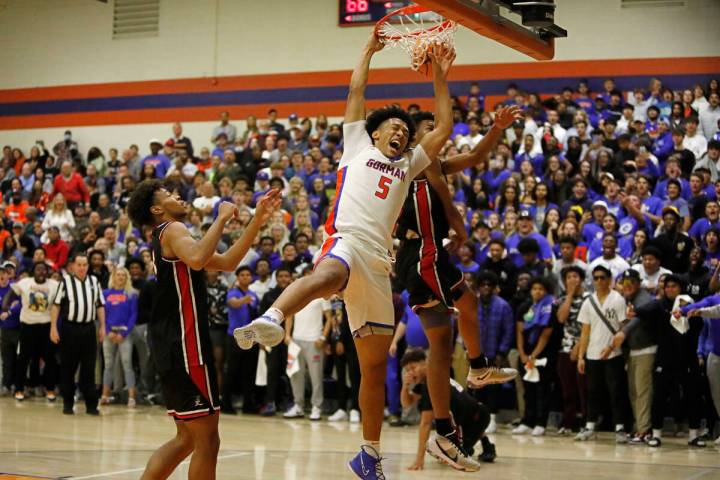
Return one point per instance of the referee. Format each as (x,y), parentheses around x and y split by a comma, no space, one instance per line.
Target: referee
(81,302)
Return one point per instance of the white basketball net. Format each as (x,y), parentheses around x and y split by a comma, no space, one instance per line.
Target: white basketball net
(416,33)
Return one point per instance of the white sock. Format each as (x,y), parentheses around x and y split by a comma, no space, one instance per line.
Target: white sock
(692,434)
(374,445)
(275,315)
(590,426)
(492,417)
(619,427)
(657,433)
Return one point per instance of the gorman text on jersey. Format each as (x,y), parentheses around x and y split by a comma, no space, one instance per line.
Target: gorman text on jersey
(386,169)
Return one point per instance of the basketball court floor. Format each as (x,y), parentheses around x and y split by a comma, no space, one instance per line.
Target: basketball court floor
(37,441)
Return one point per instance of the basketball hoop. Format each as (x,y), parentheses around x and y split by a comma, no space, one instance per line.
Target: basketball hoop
(418,31)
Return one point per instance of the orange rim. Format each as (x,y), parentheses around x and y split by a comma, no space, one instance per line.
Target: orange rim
(409,10)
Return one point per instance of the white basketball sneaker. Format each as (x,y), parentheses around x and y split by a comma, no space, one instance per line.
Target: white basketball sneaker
(448,451)
(294,412)
(262,330)
(521,429)
(354,416)
(340,415)
(479,377)
(315,413)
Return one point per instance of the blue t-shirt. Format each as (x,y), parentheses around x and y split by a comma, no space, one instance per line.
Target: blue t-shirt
(461,128)
(121,311)
(472,268)
(615,208)
(662,146)
(624,248)
(494,181)
(160,162)
(652,205)
(629,225)
(537,161)
(591,231)
(514,240)
(239,317)
(700,227)
(13,320)
(681,205)
(661,189)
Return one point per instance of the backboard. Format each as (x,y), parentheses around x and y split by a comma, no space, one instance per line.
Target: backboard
(535,36)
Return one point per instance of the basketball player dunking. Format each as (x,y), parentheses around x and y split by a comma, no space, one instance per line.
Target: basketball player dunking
(374,176)
(178,332)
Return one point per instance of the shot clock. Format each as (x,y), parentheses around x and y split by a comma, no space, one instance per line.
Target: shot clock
(366,12)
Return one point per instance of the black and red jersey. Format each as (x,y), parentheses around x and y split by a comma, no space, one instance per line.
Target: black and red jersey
(179,334)
(424,214)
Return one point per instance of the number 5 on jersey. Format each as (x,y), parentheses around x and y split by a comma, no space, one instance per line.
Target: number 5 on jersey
(384,186)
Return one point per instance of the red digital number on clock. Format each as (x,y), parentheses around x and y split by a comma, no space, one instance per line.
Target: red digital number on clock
(356,6)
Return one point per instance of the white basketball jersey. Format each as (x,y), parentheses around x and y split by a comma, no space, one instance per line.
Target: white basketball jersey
(371,188)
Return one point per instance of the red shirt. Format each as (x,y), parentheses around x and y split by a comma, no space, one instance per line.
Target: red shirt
(73,189)
(57,253)
(16,213)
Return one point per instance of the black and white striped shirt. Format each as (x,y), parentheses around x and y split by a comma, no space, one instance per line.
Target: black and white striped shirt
(80,299)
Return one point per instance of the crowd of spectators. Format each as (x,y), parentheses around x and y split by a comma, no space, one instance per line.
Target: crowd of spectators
(592,202)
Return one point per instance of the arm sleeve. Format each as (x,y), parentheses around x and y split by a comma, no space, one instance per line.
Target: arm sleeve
(355,139)
(704,303)
(710,312)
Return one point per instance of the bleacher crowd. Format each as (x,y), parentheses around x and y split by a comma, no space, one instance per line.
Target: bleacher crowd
(594,233)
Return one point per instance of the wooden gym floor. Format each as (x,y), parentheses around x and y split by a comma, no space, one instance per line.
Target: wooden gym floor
(37,441)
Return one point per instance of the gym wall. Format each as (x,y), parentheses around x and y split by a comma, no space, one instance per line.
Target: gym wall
(61,67)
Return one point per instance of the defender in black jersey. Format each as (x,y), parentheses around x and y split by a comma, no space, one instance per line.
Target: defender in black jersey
(434,284)
(179,327)
(423,264)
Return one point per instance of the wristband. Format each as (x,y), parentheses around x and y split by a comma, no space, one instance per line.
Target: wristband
(322,337)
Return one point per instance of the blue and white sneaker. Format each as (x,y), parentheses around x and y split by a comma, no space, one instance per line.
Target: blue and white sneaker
(262,330)
(367,464)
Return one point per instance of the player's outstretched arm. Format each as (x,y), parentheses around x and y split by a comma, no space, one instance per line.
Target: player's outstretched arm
(229,261)
(355,108)
(503,119)
(196,254)
(433,172)
(442,57)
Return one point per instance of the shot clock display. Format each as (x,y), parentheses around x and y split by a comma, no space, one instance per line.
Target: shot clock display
(366,12)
